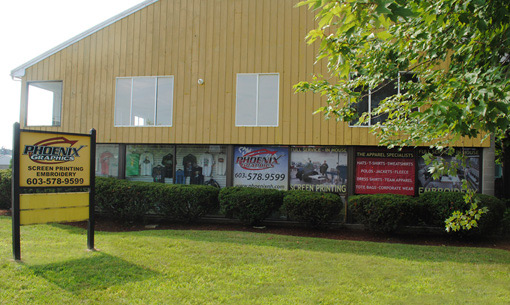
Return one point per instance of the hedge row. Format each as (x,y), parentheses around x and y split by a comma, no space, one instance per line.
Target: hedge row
(5,189)
(132,201)
(388,212)
(252,205)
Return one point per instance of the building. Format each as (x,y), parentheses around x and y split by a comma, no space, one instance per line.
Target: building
(202,91)
(5,161)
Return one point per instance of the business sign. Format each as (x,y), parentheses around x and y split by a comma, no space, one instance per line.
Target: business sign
(54,160)
(468,170)
(319,169)
(261,167)
(385,172)
(50,160)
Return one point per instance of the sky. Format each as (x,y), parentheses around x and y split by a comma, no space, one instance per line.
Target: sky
(29,28)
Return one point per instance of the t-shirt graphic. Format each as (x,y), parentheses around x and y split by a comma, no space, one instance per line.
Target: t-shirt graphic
(189,162)
(221,164)
(196,176)
(158,174)
(104,161)
(146,161)
(168,163)
(132,165)
(206,162)
(179,177)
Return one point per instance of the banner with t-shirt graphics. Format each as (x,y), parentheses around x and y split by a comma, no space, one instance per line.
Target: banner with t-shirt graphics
(107,160)
(150,163)
(261,167)
(319,169)
(132,164)
(201,164)
(385,172)
(470,171)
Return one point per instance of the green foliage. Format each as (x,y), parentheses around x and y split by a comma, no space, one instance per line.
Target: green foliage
(505,223)
(440,206)
(460,50)
(250,205)
(132,201)
(185,202)
(316,209)
(382,212)
(124,200)
(5,189)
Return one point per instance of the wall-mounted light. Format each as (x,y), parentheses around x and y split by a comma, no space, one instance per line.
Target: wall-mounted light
(200,81)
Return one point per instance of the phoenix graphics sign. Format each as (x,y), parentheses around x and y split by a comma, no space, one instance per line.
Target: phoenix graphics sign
(49,160)
(261,167)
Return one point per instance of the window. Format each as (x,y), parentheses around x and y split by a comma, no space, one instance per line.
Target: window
(373,98)
(144,101)
(44,103)
(257,100)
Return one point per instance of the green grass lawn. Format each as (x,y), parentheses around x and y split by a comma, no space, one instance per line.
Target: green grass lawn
(229,267)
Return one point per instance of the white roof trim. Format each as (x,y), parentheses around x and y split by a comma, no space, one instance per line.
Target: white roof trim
(20,71)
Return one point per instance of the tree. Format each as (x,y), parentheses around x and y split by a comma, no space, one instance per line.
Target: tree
(458,49)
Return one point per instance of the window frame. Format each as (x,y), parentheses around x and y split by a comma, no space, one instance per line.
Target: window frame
(27,98)
(237,124)
(155,102)
(369,100)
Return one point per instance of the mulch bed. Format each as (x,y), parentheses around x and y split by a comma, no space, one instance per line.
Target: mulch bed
(107,225)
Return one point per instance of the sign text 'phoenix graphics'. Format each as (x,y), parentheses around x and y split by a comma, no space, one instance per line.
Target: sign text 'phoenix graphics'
(58,160)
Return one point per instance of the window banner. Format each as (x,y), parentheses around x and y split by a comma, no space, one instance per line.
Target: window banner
(261,167)
(469,171)
(385,172)
(320,169)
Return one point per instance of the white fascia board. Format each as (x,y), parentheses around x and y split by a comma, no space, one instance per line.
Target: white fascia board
(19,72)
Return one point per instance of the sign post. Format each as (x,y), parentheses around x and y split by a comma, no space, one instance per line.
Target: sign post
(44,160)
(92,192)
(16,243)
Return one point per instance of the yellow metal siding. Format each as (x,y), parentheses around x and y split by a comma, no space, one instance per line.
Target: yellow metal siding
(191,39)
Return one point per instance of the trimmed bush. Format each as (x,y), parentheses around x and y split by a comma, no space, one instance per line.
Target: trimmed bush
(5,189)
(250,205)
(440,206)
(186,202)
(315,209)
(384,213)
(124,200)
(505,223)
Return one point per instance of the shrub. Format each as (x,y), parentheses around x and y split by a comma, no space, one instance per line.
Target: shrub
(124,200)
(382,212)
(5,189)
(132,201)
(250,205)
(438,206)
(316,209)
(186,202)
(505,223)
